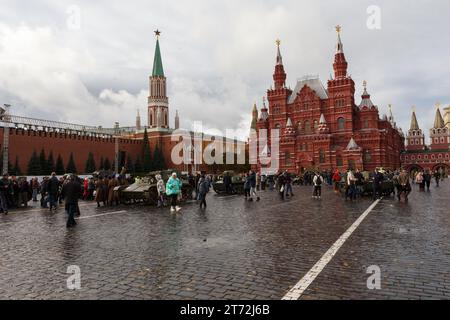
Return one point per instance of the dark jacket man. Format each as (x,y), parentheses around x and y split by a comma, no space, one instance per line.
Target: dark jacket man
(72,192)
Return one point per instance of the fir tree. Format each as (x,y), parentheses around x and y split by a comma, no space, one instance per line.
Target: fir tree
(146,155)
(107,165)
(50,163)
(130,165)
(90,163)
(158,159)
(59,167)
(34,167)
(43,162)
(102,164)
(16,169)
(138,165)
(71,165)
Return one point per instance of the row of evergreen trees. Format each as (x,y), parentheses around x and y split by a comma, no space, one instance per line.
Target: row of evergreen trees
(43,165)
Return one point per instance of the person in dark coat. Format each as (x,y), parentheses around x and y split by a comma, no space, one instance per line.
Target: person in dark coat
(100,195)
(281,185)
(437,177)
(52,190)
(377,179)
(14,192)
(72,192)
(427,179)
(227,183)
(252,176)
(4,191)
(203,189)
(247,185)
(24,192)
(43,189)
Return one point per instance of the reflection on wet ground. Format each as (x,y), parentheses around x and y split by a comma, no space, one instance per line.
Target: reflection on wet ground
(233,250)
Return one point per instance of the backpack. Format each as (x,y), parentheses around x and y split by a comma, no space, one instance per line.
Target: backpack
(318,180)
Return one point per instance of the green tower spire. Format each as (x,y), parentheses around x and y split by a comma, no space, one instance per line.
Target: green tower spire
(157,62)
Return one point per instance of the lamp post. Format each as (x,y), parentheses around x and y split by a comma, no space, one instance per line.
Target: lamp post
(4,116)
(116,147)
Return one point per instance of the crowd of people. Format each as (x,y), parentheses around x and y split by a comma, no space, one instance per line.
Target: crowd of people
(353,184)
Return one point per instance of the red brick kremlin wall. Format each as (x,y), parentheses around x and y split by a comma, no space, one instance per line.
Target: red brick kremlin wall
(24,142)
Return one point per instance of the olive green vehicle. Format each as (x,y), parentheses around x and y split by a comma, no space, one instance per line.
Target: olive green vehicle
(237,183)
(387,188)
(144,188)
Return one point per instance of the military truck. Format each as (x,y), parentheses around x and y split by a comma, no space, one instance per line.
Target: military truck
(237,183)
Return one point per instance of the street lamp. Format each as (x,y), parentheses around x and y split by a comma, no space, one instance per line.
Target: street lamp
(4,116)
(116,146)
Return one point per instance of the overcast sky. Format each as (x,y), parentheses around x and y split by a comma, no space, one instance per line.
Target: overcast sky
(218,56)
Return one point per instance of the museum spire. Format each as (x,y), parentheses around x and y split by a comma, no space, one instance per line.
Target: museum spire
(279,76)
(340,64)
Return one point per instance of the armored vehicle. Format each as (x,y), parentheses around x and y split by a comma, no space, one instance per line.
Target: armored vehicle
(144,189)
(236,186)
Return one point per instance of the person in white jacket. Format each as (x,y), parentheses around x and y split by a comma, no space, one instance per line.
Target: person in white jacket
(317,183)
(161,187)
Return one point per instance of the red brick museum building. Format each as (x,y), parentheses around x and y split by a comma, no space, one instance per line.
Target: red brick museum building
(325,128)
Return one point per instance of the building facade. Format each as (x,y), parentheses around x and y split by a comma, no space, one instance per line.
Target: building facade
(324,128)
(421,156)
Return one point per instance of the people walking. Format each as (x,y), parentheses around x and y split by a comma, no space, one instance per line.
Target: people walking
(317,184)
(404,185)
(258,181)
(271,182)
(44,193)
(52,190)
(288,191)
(4,190)
(227,183)
(35,188)
(359,188)
(72,192)
(247,186)
(281,185)
(437,177)
(160,186)
(85,189)
(351,186)
(337,180)
(173,189)
(100,192)
(376,183)
(427,179)
(253,184)
(203,189)
(420,181)
(263,182)
(24,192)
(112,184)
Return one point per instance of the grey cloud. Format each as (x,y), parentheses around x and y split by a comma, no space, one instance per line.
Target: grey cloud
(218,57)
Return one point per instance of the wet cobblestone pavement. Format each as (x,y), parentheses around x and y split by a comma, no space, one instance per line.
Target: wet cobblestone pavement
(233,250)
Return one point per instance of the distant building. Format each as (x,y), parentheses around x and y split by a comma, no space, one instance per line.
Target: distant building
(435,156)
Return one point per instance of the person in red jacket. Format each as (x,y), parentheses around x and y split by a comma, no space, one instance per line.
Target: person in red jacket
(336,180)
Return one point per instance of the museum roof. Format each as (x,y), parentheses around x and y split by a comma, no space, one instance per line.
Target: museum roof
(313,83)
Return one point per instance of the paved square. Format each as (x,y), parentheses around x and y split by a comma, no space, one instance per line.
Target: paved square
(233,250)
